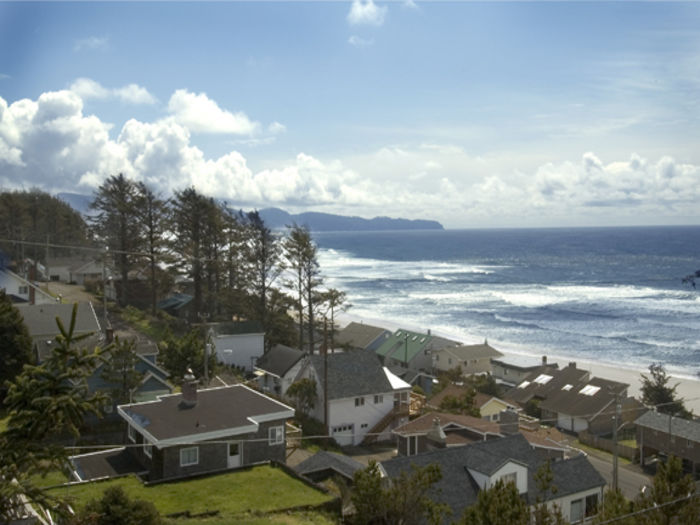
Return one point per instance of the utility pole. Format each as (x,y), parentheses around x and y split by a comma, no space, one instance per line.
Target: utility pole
(324,349)
(615,425)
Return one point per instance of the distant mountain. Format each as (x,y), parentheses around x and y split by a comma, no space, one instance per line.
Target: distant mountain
(315,221)
(276,218)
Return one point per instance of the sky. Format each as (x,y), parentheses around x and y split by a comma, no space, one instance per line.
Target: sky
(478,115)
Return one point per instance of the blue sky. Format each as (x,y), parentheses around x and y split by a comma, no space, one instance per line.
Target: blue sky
(475,114)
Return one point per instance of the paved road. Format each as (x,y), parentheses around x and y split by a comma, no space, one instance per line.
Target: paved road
(630,481)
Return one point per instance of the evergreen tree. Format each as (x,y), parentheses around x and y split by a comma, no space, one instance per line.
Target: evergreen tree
(301,256)
(44,401)
(335,301)
(497,505)
(304,392)
(15,343)
(116,224)
(119,369)
(407,499)
(656,392)
(544,513)
(613,507)
(180,353)
(116,508)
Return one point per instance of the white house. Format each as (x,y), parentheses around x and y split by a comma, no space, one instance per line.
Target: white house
(365,400)
(21,290)
(239,344)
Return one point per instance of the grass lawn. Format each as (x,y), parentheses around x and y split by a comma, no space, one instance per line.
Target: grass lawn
(259,490)
(282,518)
(603,454)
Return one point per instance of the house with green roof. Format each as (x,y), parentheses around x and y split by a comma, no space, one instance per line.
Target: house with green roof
(411,350)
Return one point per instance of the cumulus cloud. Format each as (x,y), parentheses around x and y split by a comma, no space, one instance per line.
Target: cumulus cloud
(50,143)
(91,42)
(87,88)
(276,128)
(201,114)
(357,41)
(366,12)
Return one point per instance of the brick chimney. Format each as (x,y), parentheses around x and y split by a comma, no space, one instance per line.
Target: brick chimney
(189,390)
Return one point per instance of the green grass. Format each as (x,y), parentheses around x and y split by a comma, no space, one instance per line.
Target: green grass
(151,326)
(283,518)
(50,479)
(260,490)
(600,453)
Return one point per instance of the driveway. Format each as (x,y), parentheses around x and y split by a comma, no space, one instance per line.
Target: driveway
(70,293)
(629,479)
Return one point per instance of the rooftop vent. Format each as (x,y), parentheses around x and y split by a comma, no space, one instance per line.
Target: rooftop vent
(189,390)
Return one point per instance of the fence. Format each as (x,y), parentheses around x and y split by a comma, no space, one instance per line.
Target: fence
(606,444)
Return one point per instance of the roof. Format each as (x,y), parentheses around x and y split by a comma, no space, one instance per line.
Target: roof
(175,301)
(467,352)
(41,318)
(543,382)
(239,328)
(359,335)
(583,399)
(405,343)
(329,461)
(278,360)
(683,428)
(423,424)
(350,374)
(105,464)
(219,412)
(458,488)
(396,382)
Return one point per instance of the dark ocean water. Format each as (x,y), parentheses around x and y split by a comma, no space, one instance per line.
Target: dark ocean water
(612,295)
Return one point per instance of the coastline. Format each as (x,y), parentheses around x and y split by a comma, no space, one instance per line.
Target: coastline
(688,388)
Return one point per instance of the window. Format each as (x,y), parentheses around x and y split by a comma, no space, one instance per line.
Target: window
(275,435)
(449,360)
(591,505)
(148,449)
(576,513)
(23,290)
(132,434)
(378,399)
(189,456)
(359,401)
(363,425)
(510,478)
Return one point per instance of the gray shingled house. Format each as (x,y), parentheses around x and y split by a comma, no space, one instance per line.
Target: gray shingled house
(204,431)
(666,434)
(469,469)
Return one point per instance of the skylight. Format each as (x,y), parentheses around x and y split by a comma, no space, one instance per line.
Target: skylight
(589,390)
(543,379)
(524,384)
(567,387)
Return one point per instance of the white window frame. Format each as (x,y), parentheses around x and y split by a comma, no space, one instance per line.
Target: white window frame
(131,432)
(23,290)
(188,450)
(148,449)
(275,435)
(378,398)
(359,401)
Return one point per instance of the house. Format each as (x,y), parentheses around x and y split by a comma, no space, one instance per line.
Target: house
(178,305)
(585,405)
(239,343)
(440,429)
(472,359)
(413,377)
(23,291)
(512,374)
(490,407)
(669,435)
(40,320)
(469,469)
(411,349)
(195,432)
(541,383)
(324,465)
(365,400)
(77,270)
(361,336)
(277,369)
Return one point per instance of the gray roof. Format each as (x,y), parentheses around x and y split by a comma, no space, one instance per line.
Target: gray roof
(41,318)
(359,335)
(218,410)
(559,378)
(573,403)
(459,490)
(351,374)
(279,359)
(683,428)
(329,462)
(466,352)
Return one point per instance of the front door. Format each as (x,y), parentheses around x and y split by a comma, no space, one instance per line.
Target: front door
(234,454)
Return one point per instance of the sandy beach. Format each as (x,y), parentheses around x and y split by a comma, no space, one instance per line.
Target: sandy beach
(688,388)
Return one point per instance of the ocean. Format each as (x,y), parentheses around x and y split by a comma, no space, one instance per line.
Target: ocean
(608,295)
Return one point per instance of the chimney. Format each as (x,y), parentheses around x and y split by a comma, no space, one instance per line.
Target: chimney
(544,360)
(508,422)
(436,436)
(189,390)
(572,364)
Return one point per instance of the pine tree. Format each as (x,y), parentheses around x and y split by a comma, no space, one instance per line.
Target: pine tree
(119,369)
(656,392)
(15,343)
(497,505)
